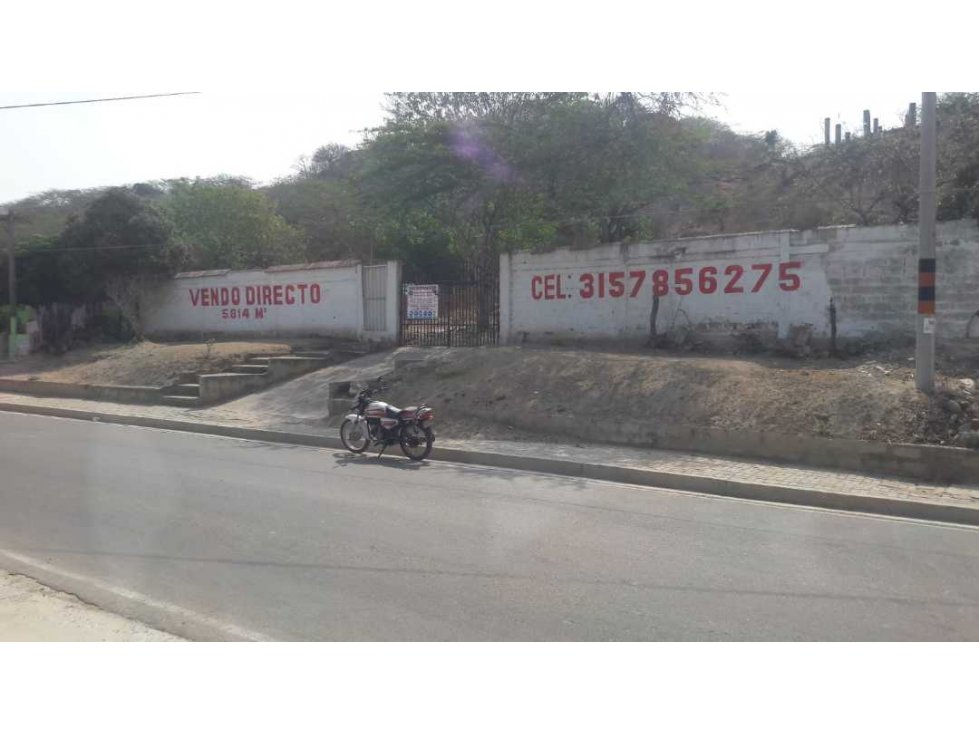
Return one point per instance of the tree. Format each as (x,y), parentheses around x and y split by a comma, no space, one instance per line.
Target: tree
(333,220)
(958,156)
(601,162)
(45,215)
(225,224)
(413,108)
(117,249)
(512,170)
(455,177)
(873,180)
(332,162)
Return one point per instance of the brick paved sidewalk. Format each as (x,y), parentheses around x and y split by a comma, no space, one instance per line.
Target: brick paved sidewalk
(737,470)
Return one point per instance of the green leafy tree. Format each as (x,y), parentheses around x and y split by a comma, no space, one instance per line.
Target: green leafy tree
(458,180)
(333,162)
(325,203)
(116,249)
(226,224)
(511,170)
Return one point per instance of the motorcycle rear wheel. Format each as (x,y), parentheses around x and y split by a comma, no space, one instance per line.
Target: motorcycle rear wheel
(416,442)
(354,436)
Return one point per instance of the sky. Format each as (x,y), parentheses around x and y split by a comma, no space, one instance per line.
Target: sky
(261,135)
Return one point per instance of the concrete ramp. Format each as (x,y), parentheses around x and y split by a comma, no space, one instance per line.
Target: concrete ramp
(306,399)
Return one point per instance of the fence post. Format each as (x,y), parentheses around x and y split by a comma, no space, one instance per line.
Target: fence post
(504,295)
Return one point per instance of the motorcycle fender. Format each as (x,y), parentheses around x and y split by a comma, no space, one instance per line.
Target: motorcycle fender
(352,417)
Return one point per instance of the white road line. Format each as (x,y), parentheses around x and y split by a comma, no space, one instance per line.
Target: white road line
(231,630)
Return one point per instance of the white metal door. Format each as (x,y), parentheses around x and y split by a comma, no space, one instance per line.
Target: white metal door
(375,299)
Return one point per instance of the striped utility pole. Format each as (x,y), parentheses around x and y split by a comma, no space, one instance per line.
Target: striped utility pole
(924,357)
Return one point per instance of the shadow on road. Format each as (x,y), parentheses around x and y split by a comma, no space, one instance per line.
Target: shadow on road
(395,461)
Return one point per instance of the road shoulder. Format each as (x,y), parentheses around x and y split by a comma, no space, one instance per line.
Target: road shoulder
(32,612)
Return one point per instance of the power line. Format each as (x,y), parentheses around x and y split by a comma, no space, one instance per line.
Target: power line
(91,101)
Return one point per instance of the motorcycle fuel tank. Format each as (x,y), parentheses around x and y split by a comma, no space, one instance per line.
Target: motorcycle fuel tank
(377,409)
(386,413)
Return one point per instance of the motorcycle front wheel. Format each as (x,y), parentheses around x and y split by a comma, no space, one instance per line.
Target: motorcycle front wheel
(354,436)
(416,442)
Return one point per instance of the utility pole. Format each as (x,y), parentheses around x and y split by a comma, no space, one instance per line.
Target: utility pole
(924,356)
(8,217)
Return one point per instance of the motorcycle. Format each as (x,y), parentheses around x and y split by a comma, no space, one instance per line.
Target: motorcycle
(373,422)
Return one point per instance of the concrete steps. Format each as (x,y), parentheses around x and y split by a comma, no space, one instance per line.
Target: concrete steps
(250,369)
(183,401)
(255,372)
(301,358)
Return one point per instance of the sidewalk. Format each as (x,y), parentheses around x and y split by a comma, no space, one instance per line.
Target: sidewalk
(30,612)
(715,473)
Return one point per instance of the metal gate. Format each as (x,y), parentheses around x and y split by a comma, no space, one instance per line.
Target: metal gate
(463,314)
(375,300)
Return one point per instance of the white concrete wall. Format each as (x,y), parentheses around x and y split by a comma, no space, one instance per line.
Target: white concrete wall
(318,299)
(870,272)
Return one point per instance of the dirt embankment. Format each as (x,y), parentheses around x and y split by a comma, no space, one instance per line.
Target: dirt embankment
(871,397)
(144,363)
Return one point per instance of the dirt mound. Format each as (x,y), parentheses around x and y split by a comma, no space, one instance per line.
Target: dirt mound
(871,399)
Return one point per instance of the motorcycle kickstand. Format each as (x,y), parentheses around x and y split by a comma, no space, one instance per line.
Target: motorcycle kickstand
(383,449)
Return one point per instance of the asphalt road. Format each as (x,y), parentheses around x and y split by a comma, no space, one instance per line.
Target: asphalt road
(216,538)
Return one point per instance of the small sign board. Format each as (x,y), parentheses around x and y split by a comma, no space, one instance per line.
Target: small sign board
(423,302)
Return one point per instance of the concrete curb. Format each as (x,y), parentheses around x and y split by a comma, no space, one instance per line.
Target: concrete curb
(132,394)
(913,509)
(908,462)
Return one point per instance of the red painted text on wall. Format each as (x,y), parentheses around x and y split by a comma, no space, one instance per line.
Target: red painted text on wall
(297,294)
